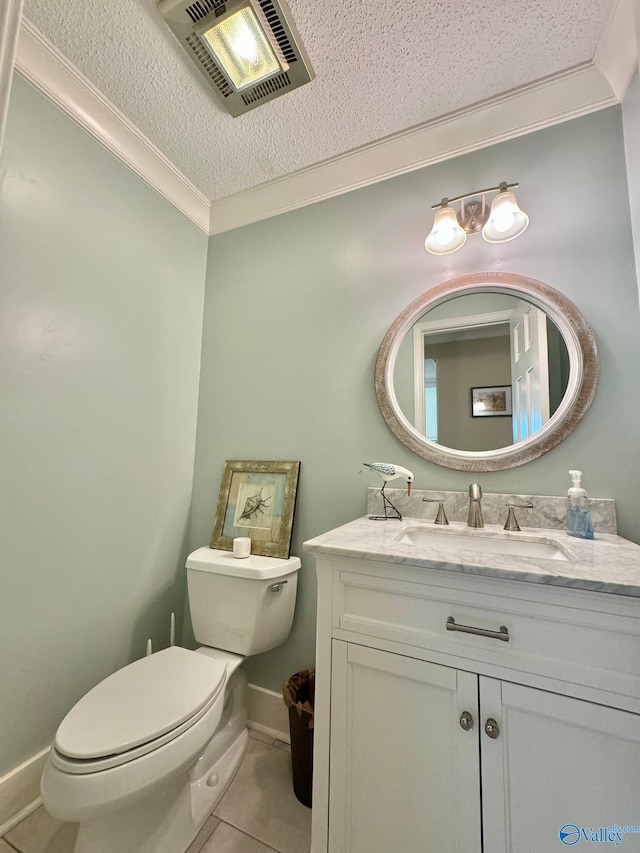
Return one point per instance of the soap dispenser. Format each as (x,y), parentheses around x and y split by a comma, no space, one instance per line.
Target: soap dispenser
(578,515)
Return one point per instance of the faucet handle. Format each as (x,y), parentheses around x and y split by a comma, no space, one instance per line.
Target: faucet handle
(512,522)
(441,517)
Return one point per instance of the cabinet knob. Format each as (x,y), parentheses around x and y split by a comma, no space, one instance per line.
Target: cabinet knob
(491,728)
(466,721)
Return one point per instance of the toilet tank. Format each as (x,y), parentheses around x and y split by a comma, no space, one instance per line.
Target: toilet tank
(243,606)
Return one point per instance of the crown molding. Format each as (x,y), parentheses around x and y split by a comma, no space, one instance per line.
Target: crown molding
(10,13)
(42,64)
(616,56)
(584,89)
(576,92)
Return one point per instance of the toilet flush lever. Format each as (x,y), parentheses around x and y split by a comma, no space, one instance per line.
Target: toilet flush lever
(276,587)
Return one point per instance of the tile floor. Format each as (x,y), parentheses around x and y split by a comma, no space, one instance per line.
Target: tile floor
(258,814)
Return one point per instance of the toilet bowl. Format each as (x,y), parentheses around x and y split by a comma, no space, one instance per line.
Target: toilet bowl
(144,757)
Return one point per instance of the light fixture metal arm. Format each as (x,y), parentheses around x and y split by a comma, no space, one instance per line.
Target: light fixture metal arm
(502,187)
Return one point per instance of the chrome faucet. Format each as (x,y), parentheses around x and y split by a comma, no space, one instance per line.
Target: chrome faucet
(475,509)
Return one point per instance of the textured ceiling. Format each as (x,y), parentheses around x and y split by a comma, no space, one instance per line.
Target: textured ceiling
(381,67)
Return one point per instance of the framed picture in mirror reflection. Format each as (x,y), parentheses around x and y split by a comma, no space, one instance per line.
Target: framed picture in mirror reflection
(493,401)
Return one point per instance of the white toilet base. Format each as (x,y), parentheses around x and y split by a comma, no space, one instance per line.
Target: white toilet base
(168,821)
(166,813)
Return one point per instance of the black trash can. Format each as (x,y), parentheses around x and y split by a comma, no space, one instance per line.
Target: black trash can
(299,695)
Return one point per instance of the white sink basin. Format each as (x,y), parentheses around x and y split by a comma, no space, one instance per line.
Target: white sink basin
(441,540)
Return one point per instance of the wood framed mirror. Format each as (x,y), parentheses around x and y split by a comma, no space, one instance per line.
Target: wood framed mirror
(486,371)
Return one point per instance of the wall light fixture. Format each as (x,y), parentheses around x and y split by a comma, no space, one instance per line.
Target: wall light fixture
(504,221)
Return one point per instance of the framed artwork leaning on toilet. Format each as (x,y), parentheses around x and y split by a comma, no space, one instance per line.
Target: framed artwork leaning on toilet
(258,500)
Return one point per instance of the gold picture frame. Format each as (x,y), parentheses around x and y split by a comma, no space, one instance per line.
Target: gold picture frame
(257,499)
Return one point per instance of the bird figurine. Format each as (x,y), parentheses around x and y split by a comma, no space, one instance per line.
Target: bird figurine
(389,472)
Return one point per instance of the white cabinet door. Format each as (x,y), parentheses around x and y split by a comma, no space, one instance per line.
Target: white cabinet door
(558,765)
(404,773)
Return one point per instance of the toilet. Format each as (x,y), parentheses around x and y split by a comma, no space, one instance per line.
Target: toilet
(142,760)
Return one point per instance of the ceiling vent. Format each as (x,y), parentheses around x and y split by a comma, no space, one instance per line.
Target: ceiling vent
(193,24)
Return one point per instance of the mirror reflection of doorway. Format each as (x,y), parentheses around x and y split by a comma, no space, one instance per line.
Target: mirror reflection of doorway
(529,369)
(470,358)
(517,346)
(431,398)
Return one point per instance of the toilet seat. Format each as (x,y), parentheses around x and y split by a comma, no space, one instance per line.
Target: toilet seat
(138,709)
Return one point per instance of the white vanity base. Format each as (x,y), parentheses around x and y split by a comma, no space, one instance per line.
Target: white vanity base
(428,738)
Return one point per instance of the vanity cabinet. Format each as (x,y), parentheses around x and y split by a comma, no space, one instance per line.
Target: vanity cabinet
(429,738)
(402,775)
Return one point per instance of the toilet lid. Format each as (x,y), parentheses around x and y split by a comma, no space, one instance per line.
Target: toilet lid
(140,703)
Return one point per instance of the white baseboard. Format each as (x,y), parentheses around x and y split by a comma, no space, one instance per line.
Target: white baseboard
(20,791)
(267,713)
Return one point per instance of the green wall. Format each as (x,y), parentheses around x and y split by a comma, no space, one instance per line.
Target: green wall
(101,307)
(101,299)
(296,307)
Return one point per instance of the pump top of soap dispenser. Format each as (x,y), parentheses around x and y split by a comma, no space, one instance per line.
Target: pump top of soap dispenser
(576,492)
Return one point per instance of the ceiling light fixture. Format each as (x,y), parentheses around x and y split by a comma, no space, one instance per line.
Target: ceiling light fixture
(503,222)
(248,51)
(243,45)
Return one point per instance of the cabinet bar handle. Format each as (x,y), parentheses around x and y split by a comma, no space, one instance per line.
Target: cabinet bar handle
(502,634)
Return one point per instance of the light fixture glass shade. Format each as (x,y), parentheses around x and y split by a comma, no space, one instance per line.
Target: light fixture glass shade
(446,235)
(242,48)
(506,220)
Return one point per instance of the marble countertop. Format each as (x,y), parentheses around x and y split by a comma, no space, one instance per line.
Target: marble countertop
(608,563)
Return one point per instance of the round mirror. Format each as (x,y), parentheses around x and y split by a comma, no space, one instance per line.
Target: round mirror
(486,371)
